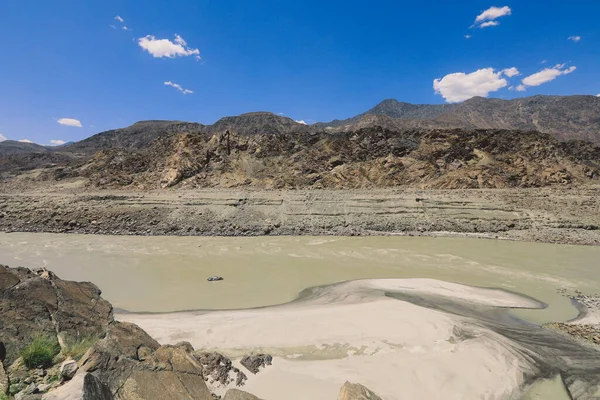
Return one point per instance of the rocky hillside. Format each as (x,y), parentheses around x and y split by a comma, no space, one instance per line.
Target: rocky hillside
(136,136)
(564,117)
(368,157)
(10,147)
(399,110)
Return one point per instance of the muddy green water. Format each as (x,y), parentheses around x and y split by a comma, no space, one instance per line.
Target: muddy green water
(169,273)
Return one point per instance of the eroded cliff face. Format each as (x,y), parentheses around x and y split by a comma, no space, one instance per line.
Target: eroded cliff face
(369,157)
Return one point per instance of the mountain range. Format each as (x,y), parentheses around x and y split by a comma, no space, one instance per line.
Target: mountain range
(479,143)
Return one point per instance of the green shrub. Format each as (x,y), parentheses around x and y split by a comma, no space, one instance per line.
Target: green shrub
(77,349)
(3,396)
(40,352)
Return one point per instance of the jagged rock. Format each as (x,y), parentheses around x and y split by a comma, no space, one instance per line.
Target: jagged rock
(235,394)
(254,362)
(355,391)
(70,310)
(68,369)
(161,372)
(220,369)
(82,387)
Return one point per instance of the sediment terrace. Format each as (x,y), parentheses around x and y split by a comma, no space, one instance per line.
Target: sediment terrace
(554,215)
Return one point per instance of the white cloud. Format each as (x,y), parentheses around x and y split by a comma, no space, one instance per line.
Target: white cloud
(521,88)
(489,23)
(547,75)
(301,121)
(69,122)
(461,86)
(118,18)
(510,72)
(25,141)
(489,16)
(3,138)
(160,48)
(598,95)
(112,26)
(544,61)
(178,87)
(493,13)
(468,36)
(574,38)
(125,28)
(57,142)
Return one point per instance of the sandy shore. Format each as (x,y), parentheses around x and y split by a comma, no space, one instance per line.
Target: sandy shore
(352,331)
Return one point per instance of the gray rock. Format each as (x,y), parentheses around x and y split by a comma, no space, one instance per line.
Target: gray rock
(117,362)
(82,387)
(44,387)
(355,391)
(40,372)
(4,381)
(215,278)
(254,362)
(235,394)
(68,369)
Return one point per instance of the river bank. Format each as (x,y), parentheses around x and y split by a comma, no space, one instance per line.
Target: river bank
(402,338)
(550,215)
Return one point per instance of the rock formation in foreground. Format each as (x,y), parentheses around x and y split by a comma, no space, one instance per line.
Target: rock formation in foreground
(116,361)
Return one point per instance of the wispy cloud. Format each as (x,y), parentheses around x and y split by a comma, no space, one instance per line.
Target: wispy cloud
(25,141)
(301,121)
(125,28)
(118,18)
(545,75)
(3,138)
(460,86)
(575,39)
(70,122)
(468,36)
(488,17)
(160,48)
(178,87)
(57,142)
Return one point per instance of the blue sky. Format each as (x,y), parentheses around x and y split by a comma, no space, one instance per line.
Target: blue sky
(73,62)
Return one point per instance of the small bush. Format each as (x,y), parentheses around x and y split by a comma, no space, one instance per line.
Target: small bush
(77,349)
(40,352)
(3,396)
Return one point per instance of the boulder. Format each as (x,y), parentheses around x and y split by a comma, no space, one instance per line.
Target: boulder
(135,367)
(220,369)
(254,362)
(68,369)
(51,306)
(82,387)
(235,394)
(355,391)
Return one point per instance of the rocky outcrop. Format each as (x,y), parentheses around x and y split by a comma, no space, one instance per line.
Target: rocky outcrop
(134,366)
(82,387)
(236,394)
(355,391)
(37,302)
(219,369)
(254,362)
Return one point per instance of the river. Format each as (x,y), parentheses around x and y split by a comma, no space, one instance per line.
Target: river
(162,274)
